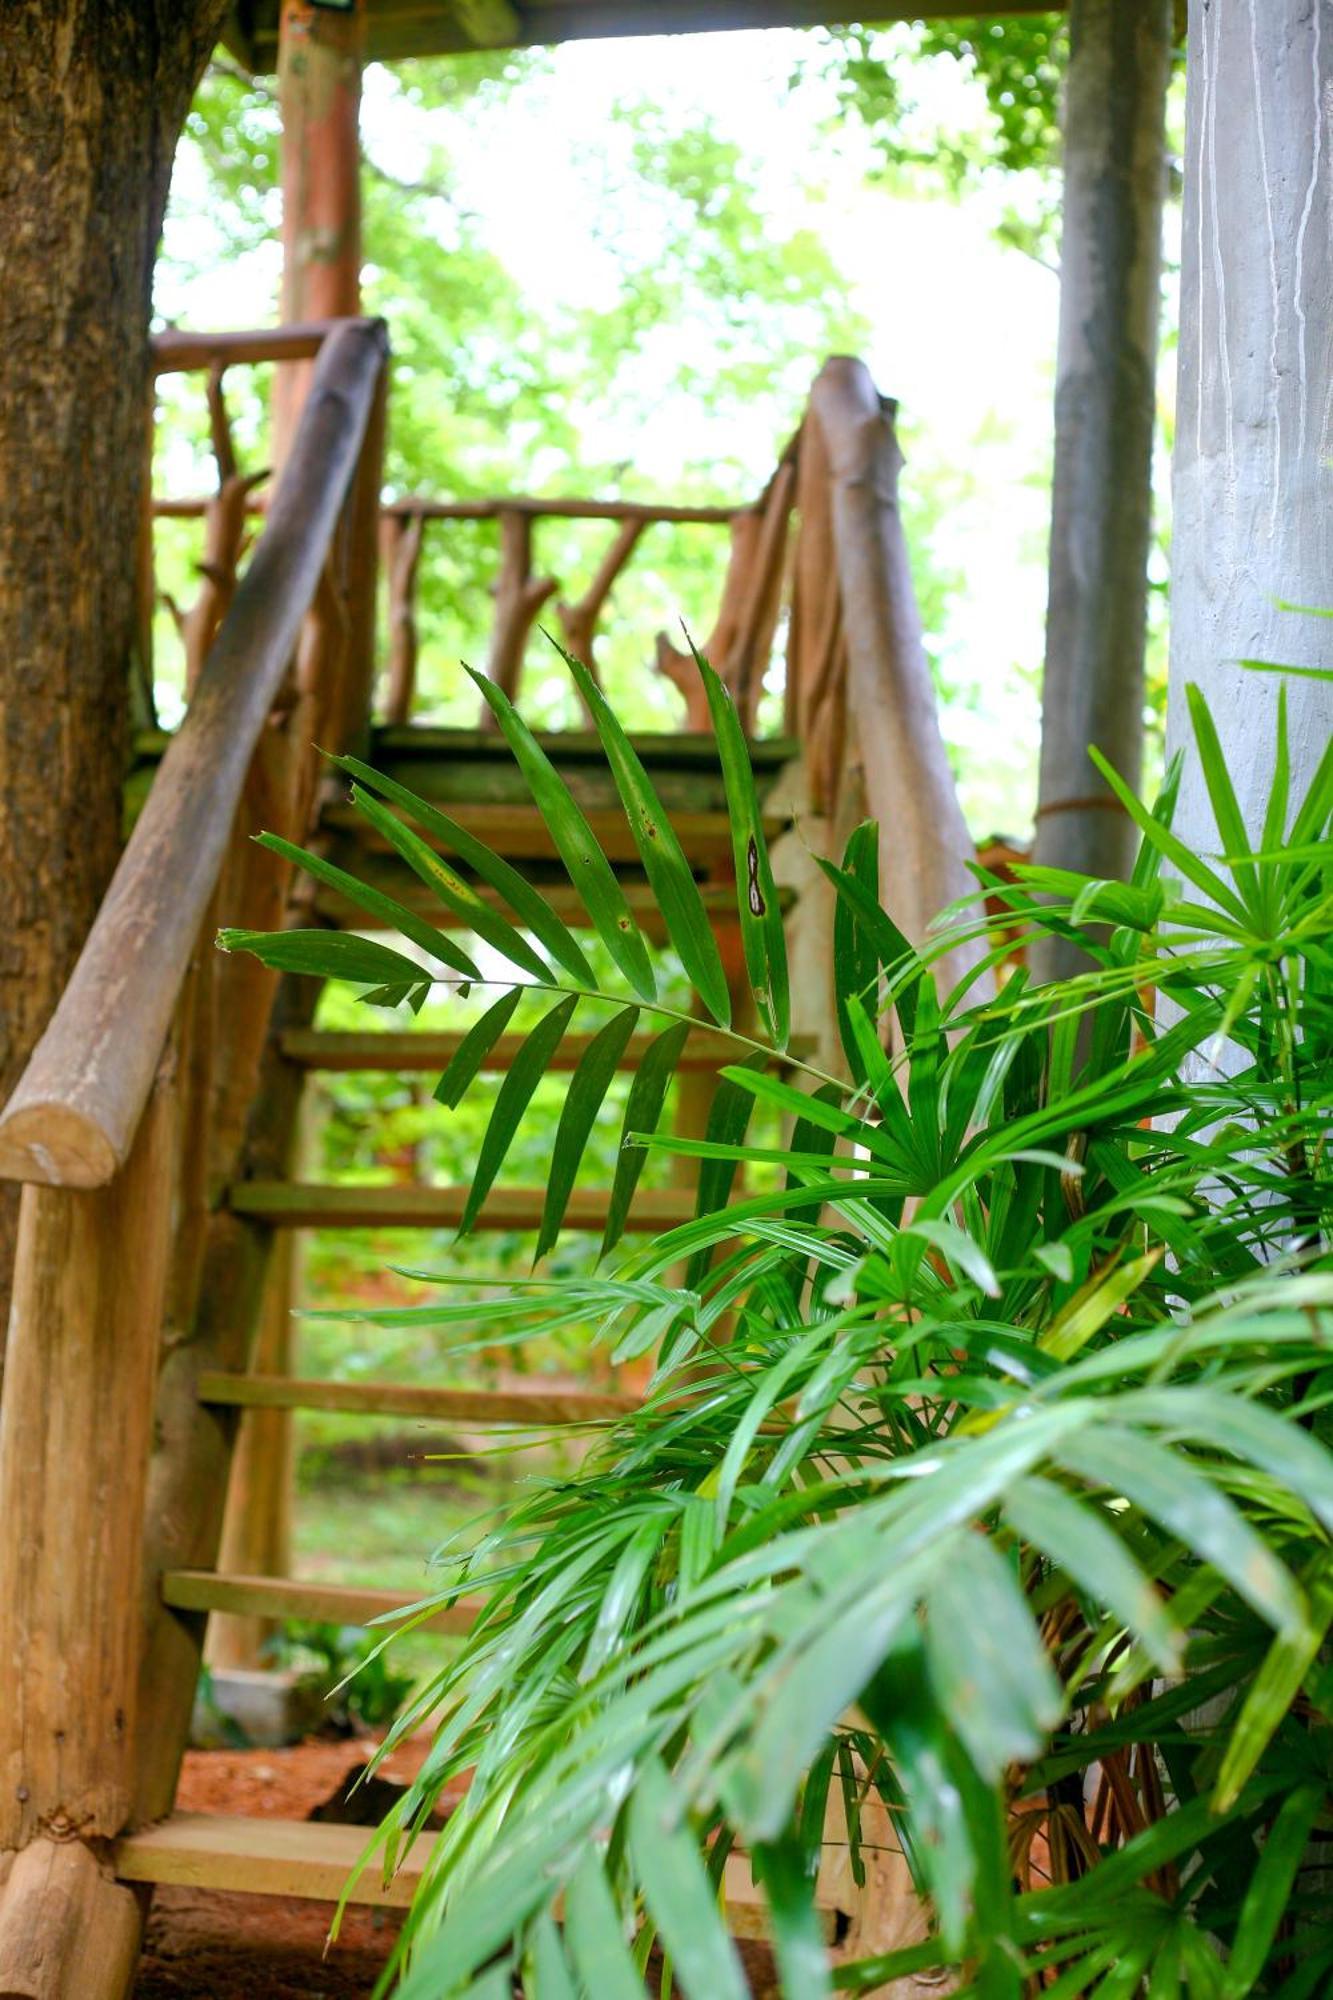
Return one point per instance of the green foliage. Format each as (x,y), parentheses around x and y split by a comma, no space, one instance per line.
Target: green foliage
(364,1689)
(984,1466)
(1019,62)
(696,289)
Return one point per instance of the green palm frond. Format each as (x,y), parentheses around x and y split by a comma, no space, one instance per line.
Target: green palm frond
(983,1481)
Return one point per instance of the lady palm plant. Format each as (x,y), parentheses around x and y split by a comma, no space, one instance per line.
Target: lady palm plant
(983,1467)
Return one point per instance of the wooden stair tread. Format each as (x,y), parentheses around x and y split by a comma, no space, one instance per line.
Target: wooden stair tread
(290,1597)
(688,749)
(394,878)
(265,1857)
(327,1049)
(303,1205)
(309,1858)
(536,1406)
(518,831)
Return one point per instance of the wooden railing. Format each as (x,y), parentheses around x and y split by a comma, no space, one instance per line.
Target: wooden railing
(520,592)
(73,1116)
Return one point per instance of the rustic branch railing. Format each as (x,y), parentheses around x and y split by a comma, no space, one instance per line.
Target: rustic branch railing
(520,593)
(73,1116)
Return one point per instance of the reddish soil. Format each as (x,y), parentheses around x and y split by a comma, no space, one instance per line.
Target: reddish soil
(207,1945)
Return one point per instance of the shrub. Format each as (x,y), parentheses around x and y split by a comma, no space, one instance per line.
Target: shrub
(983,1467)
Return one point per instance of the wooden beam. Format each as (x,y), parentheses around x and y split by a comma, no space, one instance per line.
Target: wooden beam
(401,28)
(320,1049)
(72,1119)
(177,352)
(296,343)
(536,1407)
(288,1597)
(299,1205)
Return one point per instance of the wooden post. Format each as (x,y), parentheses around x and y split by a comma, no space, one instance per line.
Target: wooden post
(319,95)
(519,596)
(924,841)
(75,1428)
(257,1530)
(1105,404)
(400,550)
(65,1926)
(75,1433)
(718,648)
(579,621)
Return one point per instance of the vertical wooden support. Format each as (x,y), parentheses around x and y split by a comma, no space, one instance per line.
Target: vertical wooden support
(1105,405)
(887,1915)
(224,538)
(737,588)
(753,642)
(816,704)
(351,686)
(75,1431)
(579,620)
(319,95)
(66,1926)
(519,596)
(924,841)
(75,1437)
(257,1529)
(400,554)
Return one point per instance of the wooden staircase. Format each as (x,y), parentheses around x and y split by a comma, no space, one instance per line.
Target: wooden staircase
(155,1126)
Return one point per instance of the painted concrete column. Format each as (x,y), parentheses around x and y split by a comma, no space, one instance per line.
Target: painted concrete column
(1101,510)
(1253,473)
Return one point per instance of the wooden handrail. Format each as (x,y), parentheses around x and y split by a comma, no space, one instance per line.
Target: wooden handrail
(176,352)
(73,1116)
(187,507)
(892,716)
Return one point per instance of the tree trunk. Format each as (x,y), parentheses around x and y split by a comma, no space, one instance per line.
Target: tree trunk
(1253,475)
(95,92)
(1101,507)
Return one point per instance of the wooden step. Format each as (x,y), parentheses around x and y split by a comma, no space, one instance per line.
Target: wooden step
(394,878)
(300,1205)
(265,1857)
(283,1857)
(317,1603)
(460,769)
(537,1406)
(516,830)
(658,749)
(318,1049)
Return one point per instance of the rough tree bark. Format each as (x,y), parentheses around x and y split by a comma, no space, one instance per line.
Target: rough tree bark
(1253,473)
(94,96)
(1101,507)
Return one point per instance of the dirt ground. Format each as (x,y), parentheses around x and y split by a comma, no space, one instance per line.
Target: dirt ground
(207,1945)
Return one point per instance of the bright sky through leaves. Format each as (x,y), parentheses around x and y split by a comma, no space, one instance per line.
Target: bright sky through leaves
(960,329)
